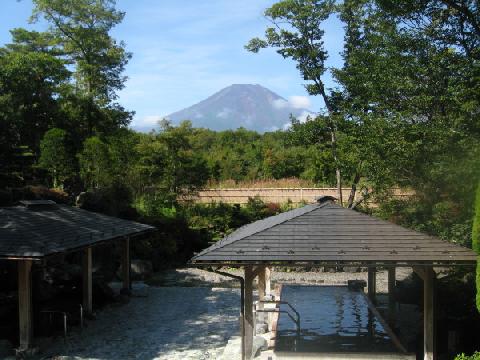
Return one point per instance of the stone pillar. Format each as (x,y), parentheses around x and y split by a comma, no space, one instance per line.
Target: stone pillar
(372,283)
(428,314)
(248,320)
(126,265)
(25,303)
(87,281)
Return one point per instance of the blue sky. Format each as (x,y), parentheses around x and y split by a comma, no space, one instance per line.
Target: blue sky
(185,50)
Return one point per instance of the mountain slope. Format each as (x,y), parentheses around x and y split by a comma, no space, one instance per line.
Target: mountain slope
(241,105)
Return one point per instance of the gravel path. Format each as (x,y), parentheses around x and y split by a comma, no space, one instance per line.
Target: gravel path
(169,323)
(198,277)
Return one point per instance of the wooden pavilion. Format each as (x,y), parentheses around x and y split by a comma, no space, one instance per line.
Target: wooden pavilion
(327,234)
(35,231)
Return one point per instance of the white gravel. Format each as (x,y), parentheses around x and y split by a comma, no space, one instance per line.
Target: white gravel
(169,323)
(198,277)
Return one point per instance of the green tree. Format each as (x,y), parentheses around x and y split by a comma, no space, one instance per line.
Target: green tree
(82,29)
(95,163)
(297,34)
(476,241)
(55,157)
(30,85)
(167,165)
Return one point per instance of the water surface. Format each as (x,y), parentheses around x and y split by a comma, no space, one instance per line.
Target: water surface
(333,319)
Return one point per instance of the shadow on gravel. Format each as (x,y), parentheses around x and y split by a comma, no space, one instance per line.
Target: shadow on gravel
(177,277)
(171,323)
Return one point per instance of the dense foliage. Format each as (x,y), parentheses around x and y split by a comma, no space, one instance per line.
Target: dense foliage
(475,356)
(476,241)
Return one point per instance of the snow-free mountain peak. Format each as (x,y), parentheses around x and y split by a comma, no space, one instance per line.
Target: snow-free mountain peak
(251,106)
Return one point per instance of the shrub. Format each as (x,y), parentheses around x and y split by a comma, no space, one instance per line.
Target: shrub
(475,356)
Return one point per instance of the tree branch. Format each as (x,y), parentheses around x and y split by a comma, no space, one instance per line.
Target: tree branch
(470,16)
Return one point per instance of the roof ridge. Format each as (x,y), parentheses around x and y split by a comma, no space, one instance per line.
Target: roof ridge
(224,241)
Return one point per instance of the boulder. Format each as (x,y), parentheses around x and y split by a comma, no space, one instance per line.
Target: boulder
(259,344)
(351,269)
(261,328)
(357,285)
(141,269)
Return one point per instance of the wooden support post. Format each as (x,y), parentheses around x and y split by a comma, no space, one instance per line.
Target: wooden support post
(261,286)
(372,283)
(248,320)
(391,293)
(428,314)
(268,283)
(87,281)
(25,303)
(126,287)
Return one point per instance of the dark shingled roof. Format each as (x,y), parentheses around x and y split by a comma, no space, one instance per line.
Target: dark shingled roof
(329,233)
(38,229)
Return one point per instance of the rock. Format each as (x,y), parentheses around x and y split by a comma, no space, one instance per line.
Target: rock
(6,349)
(261,328)
(81,198)
(351,269)
(141,269)
(259,344)
(357,285)
(233,349)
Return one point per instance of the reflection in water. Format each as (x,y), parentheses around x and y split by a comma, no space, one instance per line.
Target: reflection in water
(333,319)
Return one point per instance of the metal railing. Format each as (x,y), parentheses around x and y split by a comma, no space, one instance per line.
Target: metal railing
(295,319)
(65,318)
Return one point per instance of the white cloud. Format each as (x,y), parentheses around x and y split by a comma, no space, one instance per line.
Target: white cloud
(149,120)
(299,102)
(294,102)
(280,103)
(304,116)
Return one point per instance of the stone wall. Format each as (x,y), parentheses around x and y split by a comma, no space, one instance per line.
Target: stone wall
(274,195)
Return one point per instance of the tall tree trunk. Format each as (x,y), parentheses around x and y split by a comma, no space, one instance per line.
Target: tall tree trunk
(353,191)
(338,174)
(333,136)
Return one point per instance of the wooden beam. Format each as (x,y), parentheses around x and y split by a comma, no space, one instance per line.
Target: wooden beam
(429,314)
(248,320)
(372,283)
(391,293)
(261,287)
(126,287)
(25,303)
(375,313)
(87,281)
